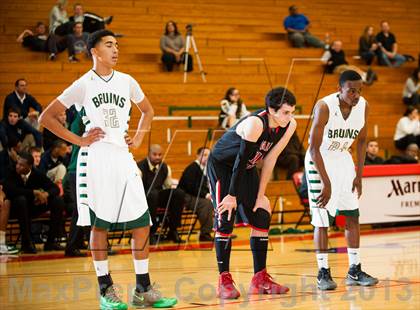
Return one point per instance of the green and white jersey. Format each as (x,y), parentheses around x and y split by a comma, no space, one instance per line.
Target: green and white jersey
(339,133)
(104,102)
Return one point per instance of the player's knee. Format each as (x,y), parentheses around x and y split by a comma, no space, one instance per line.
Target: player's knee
(263,217)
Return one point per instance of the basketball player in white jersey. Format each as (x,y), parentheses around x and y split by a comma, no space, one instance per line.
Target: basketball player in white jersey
(334,185)
(110,190)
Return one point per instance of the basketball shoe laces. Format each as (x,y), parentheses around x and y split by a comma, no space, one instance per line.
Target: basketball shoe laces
(227,280)
(112,294)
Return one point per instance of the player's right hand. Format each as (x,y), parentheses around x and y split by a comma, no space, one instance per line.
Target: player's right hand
(227,204)
(93,135)
(325,196)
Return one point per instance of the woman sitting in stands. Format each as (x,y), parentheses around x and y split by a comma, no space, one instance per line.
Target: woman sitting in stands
(408,129)
(412,88)
(368,47)
(232,108)
(172,45)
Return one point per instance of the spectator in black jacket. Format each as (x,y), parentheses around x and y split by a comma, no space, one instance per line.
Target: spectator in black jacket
(21,100)
(13,128)
(31,194)
(197,195)
(372,150)
(53,161)
(91,21)
(293,156)
(157,182)
(368,47)
(335,61)
(41,41)
(410,156)
(48,137)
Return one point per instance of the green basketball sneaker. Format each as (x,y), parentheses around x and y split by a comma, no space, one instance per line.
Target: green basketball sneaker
(111,301)
(151,298)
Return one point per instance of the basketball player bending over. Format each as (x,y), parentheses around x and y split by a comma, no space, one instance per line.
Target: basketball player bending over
(236,187)
(334,186)
(109,187)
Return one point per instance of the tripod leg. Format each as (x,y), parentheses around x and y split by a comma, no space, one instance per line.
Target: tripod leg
(200,66)
(187,48)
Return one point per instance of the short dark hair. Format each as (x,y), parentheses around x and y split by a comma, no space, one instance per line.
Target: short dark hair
(349,75)
(28,157)
(410,110)
(96,36)
(201,149)
(77,23)
(14,109)
(18,80)
(77,4)
(39,24)
(372,140)
(278,96)
(35,149)
(292,7)
(57,144)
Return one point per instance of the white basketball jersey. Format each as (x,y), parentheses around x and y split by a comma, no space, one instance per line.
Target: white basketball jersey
(339,133)
(104,103)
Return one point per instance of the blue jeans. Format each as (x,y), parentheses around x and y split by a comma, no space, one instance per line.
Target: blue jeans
(396,61)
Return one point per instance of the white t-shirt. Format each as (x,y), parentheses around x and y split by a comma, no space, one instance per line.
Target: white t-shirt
(406,126)
(104,102)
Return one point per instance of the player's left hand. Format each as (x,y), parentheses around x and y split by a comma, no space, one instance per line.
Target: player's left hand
(262,203)
(357,184)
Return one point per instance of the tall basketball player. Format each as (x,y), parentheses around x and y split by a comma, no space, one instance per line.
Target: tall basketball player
(236,187)
(110,190)
(334,185)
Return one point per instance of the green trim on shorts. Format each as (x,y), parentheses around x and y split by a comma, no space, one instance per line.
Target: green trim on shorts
(82,185)
(84,153)
(83,164)
(312,172)
(83,196)
(82,174)
(142,221)
(354,212)
(315,181)
(315,191)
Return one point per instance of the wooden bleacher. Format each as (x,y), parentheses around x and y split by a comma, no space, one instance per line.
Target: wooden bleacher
(222,29)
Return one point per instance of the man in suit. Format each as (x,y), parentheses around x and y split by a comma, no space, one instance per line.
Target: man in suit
(31,194)
(197,195)
(20,99)
(157,182)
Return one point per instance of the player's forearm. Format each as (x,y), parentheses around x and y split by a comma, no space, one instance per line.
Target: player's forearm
(361,155)
(143,127)
(53,125)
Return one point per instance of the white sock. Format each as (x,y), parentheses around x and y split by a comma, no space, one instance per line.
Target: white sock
(322,259)
(2,237)
(354,256)
(101,267)
(141,266)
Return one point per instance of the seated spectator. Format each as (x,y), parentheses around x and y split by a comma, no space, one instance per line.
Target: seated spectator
(232,108)
(53,162)
(173,48)
(90,21)
(20,99)
(389,48)
(297,26)
(368,47)
(335,61)
(293,156)
(408,129)
(157,182)
(411,89)
(58,18)
(4,218)
(410,156)
(197,194)
(40,41)
(372,150)
(32,119)
(36,153)
(13,128)
(48,137)
(77,42)
(31,194)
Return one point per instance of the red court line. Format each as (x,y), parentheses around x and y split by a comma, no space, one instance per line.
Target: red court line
(209,246)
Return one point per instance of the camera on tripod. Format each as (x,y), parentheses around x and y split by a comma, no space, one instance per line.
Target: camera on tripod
(189,28)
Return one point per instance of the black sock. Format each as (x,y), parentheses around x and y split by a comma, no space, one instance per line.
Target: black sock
(142,282)
(259,247)
(223,246)
(104,282)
